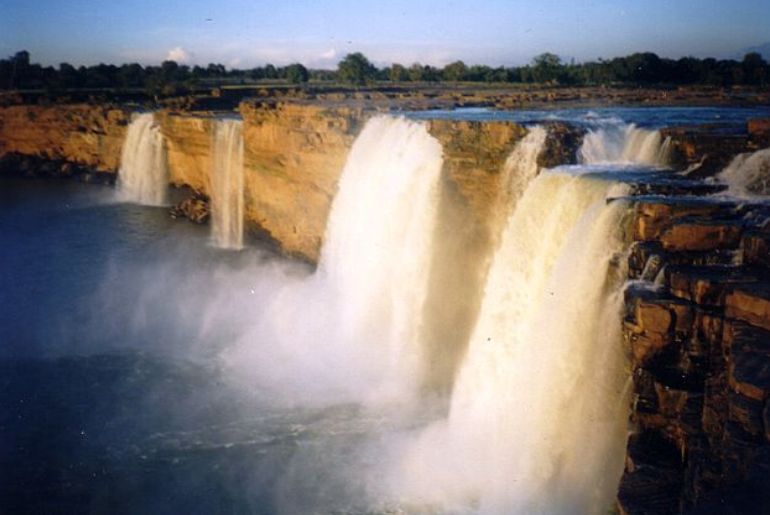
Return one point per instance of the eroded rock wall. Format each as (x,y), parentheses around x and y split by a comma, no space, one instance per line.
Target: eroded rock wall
(294,155)
(83,134)
(700,354)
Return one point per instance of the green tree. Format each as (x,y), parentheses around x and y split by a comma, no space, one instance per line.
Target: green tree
(754,69)
(546,67)
(398,73)
(297,74)
(356,69)
(455,71)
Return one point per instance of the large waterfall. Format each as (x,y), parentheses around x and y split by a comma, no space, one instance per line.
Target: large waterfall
(227,184)
(537,420)
(378,244)
(621,143)
(143,176)
(353,326)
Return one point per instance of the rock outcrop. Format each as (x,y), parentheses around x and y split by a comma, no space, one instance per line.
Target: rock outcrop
(82,134)
(195,208)
(705,150)
(294,153)
(700,353)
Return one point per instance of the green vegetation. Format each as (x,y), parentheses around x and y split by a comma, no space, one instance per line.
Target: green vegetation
(356,69)
(171,78)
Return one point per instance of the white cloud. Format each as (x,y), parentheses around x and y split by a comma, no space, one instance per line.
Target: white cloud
(177,54)
(329,54)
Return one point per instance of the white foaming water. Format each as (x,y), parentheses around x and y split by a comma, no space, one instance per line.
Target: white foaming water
(353,325)
(227,185)
(538,416)
(143,176)
(521,165)
(748,175)
(626,144)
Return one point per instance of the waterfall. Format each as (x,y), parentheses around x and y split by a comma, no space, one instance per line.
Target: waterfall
(143,176)
(748,174)
(227,184)
(377,249)
(538,414)
(351,331)
(521,165)
(461,260)
(615,142)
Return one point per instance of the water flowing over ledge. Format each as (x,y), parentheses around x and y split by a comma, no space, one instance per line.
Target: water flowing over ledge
(143,175)
(748,175)
(227,184)
(621,143)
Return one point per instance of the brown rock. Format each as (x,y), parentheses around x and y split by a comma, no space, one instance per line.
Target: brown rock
(756,249)
(758,128)
(751,304)
(195,208)
(701,236)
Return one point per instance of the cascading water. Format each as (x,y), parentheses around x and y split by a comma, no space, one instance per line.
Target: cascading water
(354,325)
(143,176)
(461,260)
(227,184)
(622,143)
(377,248)
(521,165)
(748,174)
(538,414)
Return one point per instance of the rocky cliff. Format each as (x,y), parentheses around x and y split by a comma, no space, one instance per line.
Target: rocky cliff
(294,154)
(82,134)
(700,353)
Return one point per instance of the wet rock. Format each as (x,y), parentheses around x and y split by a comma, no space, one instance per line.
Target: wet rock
(749,359)
(653,478)
(195,208)
(701,235)
(708,285)
(759,129)
(561,145)
(656,215)
(704,150)
(755,248)
(746,412)
(750,302)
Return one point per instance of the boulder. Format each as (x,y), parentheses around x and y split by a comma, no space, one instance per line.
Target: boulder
(195,208)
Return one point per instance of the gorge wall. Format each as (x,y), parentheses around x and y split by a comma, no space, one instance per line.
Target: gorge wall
(293,156)
(699,356)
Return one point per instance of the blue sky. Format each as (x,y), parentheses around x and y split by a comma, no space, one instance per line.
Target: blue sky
(245,33)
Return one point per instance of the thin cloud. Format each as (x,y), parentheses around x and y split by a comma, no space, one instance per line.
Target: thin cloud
(178,54)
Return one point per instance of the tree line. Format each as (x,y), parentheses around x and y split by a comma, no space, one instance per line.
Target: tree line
(17,72)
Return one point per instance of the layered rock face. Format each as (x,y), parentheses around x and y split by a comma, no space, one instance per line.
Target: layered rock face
(700,349)
(82,134)
(293,156)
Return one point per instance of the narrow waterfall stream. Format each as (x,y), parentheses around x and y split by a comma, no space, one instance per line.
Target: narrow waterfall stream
(227,184)
(143,176)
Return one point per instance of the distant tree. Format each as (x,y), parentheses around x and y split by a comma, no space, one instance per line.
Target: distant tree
(417,72)
(398,73)
(297,74)
(546,67)
(356,69)
(455,71)
(754,69)
(216,70)
(270,71)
